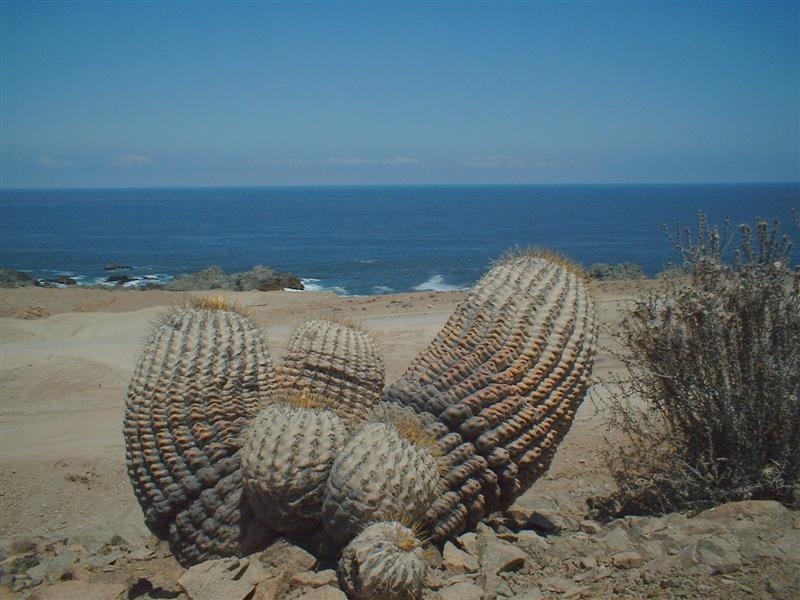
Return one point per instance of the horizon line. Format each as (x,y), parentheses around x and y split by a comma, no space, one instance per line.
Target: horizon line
(374,185)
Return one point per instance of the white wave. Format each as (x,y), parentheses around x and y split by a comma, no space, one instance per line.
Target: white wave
(311,284)
(437,284)
(382,289)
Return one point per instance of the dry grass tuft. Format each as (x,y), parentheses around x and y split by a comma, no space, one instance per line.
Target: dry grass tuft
(216,303)
(551,256)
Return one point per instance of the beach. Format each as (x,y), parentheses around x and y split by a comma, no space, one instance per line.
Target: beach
(68,354)
(67,362)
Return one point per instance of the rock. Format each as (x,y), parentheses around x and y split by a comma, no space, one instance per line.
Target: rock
(591,527)
(584,562)
(627,560)
(616,540)
(214,278)
(9,278)
(115,267)
(559,585)
(462,591)
(458,561)
(281,554)
(531,539)
(496,556)
(327,592)
(547,521)
(710,557)
(774,586)
(81,590)
(16,565)
(468,542)
(623,270)
(314,578)
(763,511)
(118,540)
(63,280)
(273,587)
(529,595)
(215,579)
(141,554)
(120,279)
(24,545)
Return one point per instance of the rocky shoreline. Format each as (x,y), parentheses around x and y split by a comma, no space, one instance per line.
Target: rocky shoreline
(259,278)
(530,552)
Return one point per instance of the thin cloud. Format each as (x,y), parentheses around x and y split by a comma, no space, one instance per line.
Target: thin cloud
(396,161)
(529,162)
(133,160)
(51,162)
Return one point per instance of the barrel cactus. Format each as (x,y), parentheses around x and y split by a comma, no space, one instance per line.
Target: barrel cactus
(335,360)
(503,379)
(201,378)
(386,560)
(287,458)
(387,471)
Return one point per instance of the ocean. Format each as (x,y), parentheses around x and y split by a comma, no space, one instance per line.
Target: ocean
(362,240)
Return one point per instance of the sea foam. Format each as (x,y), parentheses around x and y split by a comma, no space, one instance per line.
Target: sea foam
(437,284)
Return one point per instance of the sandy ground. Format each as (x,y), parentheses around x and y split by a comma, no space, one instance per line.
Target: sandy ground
(66,356)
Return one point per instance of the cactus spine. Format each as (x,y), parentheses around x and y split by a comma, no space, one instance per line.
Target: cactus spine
(202,376)
(504,378)
(286,461)
(335,361)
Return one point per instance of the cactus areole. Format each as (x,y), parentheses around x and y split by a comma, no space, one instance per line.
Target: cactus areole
(219,458)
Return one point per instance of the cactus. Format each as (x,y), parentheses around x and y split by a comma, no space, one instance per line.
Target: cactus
(387,471)
(386,561)
(218,523)
(336,361)
(286,460)
(503,378)
(201,378)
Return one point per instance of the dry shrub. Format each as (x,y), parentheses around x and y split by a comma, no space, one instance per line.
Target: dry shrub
(710,403)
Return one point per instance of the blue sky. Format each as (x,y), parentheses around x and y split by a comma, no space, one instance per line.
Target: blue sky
(178,93)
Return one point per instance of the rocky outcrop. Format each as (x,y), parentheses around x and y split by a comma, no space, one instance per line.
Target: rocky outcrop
(9,278)
(259,278)
(115,267)
(623,270)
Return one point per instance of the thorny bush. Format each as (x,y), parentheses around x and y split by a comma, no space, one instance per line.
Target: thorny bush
(710,402)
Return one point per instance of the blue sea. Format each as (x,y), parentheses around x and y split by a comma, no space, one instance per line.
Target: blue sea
(362,240)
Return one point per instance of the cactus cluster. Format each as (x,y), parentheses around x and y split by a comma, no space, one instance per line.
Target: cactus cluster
(222,451)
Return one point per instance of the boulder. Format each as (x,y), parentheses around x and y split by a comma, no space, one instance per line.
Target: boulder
(458,561)
(623,270)
(215,579)
(214,278)
(115,267)
(9,278)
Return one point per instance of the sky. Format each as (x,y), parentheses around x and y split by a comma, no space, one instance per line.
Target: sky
(130,94)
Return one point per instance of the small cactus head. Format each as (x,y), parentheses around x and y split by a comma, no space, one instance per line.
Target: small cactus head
(386,560)
(286,459)
(381,475)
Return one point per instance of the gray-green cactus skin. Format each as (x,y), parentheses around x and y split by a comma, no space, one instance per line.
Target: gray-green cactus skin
(286,460)
(200,380)
(379,475)
(385,561)
(335,361)
(500,384)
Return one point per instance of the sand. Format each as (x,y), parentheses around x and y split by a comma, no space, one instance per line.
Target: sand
(66,356)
